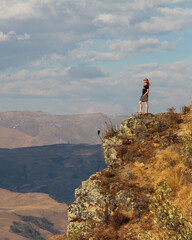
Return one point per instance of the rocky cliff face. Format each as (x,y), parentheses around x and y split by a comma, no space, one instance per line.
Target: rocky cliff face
(146,150)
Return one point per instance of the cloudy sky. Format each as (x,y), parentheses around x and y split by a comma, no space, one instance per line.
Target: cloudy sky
(84,56)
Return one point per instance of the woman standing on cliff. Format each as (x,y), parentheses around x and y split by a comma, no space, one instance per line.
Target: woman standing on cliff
(144,97)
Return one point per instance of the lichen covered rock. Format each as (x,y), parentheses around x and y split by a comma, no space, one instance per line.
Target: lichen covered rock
(110,150)
(97,200)
(138,130)
(129,154)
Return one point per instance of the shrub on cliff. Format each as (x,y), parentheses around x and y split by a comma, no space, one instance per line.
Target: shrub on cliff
(145,151)
(168,217)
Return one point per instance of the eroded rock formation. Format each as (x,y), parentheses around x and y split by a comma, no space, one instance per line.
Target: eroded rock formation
(142,153)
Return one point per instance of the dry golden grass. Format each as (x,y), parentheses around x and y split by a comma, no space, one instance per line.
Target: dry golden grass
(139,170)
(58,237)
(103,233)
(145,165)
(183,198)
(166,166)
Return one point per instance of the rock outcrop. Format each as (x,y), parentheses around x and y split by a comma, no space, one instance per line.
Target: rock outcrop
(114,203)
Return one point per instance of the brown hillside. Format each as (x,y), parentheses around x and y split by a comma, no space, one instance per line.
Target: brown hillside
(29,204)
(11,138)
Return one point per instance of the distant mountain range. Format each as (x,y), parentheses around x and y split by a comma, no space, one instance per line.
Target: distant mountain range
(56,170)
(24,128)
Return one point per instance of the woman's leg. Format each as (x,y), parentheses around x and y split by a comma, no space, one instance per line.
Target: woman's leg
(146,107)
(140,106)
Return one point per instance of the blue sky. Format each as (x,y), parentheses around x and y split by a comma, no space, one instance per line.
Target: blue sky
(85,56)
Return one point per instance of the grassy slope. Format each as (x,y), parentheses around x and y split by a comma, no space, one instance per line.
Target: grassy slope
(30,204)
(159,158)
(151,163)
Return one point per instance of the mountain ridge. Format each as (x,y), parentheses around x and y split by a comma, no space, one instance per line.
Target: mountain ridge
(26,128)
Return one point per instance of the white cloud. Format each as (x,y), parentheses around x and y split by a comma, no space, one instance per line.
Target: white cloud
(90,55)
(73,43)
(65,25)
(25,36)
(28,9)
(141,45)
(113,19)
(18,9)
(106,18)
(4,37)
(114,50)
(167,20)
(104,56)
(170,85)
(175,74)
(144,17)
(168,78)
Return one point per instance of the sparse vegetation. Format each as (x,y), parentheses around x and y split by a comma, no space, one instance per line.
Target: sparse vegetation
(185,109)
(171,109)
(42,223)
(76,235)
(26,230)
(118,219)
(108,173)
(187,147)
(28,227)
(168,216)
(110,132)
(146,236)
(147,151)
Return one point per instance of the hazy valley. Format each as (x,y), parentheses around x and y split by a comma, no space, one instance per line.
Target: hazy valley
(44,153)
(56,169)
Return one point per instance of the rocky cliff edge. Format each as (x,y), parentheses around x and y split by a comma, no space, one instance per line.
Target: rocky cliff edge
(147,150)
